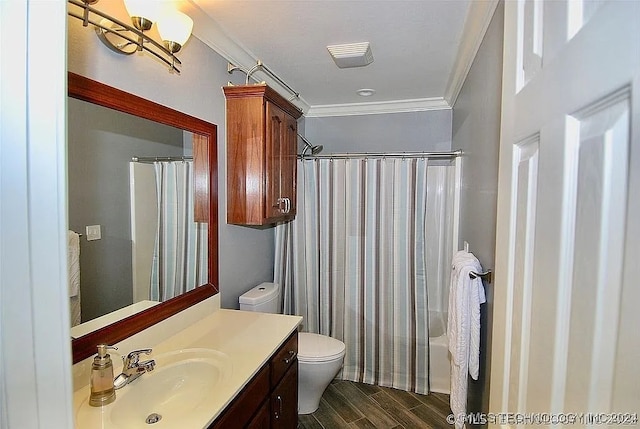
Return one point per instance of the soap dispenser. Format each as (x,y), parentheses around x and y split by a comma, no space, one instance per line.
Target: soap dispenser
(102,391)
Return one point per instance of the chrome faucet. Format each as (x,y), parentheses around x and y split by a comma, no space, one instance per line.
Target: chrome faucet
(132,368)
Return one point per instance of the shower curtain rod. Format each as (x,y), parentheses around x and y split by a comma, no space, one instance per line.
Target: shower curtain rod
(146,159)
(451,154)
(260,66)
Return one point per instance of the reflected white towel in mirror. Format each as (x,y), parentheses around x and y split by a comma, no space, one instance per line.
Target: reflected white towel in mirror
(73,269)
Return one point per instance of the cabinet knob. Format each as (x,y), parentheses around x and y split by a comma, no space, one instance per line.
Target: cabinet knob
(283,204)
(292,356)
(278,411)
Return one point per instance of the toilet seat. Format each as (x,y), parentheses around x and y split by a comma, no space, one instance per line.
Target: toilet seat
(319,348)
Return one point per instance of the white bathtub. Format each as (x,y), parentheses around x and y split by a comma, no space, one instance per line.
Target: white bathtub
(439,364)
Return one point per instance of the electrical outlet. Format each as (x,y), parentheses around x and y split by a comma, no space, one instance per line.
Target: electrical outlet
(93,232)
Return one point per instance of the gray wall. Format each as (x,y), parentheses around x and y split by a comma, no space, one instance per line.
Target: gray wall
(245,254)
(391,132)
(100,144)
(476,130)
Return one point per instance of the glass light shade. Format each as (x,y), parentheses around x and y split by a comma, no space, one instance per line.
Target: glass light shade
(175,27)
(149,9)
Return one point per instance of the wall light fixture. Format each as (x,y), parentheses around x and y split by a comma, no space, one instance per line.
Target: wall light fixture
(174,28)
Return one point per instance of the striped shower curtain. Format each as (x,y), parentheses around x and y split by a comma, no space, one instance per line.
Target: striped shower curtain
(180,252)
(354,264)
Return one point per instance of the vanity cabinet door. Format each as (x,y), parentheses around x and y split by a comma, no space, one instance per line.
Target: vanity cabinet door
(262,419)
(239,413)
(284,400)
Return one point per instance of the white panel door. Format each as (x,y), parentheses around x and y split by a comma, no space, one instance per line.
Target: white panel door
(566,330)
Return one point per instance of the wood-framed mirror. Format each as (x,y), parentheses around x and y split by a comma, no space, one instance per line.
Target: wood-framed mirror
(205,183)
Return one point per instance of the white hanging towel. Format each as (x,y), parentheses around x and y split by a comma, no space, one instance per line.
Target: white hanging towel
(465,296)
(73,270)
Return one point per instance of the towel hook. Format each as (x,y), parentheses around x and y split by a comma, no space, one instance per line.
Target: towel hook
(487,275)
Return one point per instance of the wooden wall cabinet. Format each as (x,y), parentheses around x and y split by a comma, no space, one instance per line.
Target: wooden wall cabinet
(261,155)
(270,399)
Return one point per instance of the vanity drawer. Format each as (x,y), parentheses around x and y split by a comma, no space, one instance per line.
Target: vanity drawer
(246,403)
(284,358)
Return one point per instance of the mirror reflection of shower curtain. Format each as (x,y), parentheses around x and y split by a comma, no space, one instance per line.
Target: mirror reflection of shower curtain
(364,258)
(180,253)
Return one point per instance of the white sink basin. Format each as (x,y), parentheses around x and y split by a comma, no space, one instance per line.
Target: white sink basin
(176,390)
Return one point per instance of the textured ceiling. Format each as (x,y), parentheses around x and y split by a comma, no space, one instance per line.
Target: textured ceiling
(414,44)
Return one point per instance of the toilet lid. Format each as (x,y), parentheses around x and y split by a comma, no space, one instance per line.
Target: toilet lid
(314,347)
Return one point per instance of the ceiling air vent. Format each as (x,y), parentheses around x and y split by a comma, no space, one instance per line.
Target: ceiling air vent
(351,54)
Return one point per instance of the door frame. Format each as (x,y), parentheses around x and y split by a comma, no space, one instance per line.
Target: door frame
(35,354)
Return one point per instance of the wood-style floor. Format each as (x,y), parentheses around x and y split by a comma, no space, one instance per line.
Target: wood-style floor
(355,405)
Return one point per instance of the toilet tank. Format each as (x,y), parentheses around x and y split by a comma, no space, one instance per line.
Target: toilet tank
(264,298)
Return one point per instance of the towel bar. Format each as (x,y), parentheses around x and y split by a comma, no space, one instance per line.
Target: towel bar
(487,275)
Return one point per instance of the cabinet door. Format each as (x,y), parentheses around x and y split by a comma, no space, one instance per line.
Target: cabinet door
(289,166)
(275,144)
(237,414)
(284,401)
(262,419)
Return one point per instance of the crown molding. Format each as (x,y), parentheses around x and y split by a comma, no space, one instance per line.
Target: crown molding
(477,21)
(211,34)
(373,108)
(475,26)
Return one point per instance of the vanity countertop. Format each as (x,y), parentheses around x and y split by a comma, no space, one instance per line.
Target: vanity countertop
(247,338)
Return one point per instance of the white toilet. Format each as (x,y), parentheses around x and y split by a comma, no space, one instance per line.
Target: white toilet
(319,357)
